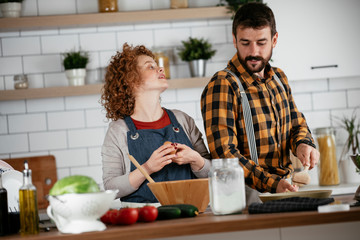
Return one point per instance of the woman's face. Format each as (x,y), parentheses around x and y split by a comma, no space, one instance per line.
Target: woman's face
(152,76)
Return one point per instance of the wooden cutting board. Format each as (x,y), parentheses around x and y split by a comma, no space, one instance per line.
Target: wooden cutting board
(44,174)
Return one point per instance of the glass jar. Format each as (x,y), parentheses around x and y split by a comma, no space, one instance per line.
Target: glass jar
(178,3)
(108,6)
(162,60)
(327,167)
(226,186)
(21,82)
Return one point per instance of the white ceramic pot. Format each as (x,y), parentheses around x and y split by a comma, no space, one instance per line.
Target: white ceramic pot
(348,172)
(11,9)
(76,77)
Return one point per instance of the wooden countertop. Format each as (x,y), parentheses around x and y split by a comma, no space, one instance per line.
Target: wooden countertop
(209,223)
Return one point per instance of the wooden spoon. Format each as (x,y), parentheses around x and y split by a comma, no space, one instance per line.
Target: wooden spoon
(138,166)
(302,178)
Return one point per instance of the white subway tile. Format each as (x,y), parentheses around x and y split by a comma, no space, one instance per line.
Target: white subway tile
(208,34)
(182,24)
(316,85)
(134,38)
(317,119)
(66,120)
(35,80)
(94,61)
(29,8)
(189,94)
(9,83)
(344,83)
(224,52)
(48,140)
(94,172)
(94,156)
(105,58)
(96,118)
(134,5)
(39,32)
(21,46)
(59,44)
(87,6)
(187,107)
(3,124)
(168,96)
(62,172)
(10,65)
(115,28)
(29,154)
(46,7)
(10,107)
(2,83)
(97,41)
(203,3)
(70,30)
(93,76)
(151,25)
(9,34)
(27,123)
(70,157)
(329,100)
(42,64)
(81,102)
(354,98)
(45,105)
(91,137)
(170,37)
(160,4)
(223,22)
(303,101)
(55,80)
(339,114)
(13,143)
(213,67)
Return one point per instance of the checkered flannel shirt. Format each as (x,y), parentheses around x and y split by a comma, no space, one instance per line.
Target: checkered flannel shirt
(279,126)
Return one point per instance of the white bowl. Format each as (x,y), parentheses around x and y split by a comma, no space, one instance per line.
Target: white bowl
(80,212)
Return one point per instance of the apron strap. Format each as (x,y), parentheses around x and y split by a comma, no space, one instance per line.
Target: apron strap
(133,131)
(174,122)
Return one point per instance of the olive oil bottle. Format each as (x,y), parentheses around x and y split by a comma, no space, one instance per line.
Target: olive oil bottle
(4,219)
(29,216)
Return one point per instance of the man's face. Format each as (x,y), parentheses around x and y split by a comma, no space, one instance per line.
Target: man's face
(254,48)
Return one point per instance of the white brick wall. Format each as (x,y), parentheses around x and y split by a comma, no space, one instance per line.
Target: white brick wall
(73,128)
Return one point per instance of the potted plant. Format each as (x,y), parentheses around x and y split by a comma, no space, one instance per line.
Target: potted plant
(196,52)
(75,67)
(234,5)
(10,8)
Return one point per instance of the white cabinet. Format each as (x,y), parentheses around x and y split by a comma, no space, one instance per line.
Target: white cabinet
(317,38)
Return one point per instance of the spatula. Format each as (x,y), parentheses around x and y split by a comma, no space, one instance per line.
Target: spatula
(302,178)
(138,166)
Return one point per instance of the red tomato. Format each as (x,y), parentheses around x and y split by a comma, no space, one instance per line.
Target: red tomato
(148,214)
(127,216)
(106,217)
(113,215)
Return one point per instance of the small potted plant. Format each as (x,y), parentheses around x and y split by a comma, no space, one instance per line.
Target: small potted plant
(196,52)
(75,67)
(233,5)
(10,8)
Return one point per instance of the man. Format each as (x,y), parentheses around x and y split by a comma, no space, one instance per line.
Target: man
(278,126)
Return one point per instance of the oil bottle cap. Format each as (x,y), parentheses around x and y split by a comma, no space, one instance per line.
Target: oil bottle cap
(27,171)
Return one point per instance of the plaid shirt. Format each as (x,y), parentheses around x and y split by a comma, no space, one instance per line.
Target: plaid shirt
(278,124)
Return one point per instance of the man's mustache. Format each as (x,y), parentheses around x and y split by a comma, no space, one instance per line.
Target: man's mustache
(251,58)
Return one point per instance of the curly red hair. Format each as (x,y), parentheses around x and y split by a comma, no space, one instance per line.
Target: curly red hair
(121,77)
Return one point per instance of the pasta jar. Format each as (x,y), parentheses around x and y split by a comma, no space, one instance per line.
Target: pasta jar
(21,82)
(226,186)
(162,60)
(108,6)
(328,167)
(178,3)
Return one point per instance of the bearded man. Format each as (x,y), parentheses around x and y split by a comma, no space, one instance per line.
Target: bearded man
(274,123)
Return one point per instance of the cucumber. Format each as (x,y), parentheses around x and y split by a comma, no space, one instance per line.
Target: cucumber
(187,210)
(165,212)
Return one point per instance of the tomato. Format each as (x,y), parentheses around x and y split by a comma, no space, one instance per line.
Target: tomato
(148,214)
(106,217)
(127,216)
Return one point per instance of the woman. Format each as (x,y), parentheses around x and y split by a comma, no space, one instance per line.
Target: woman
(140,126)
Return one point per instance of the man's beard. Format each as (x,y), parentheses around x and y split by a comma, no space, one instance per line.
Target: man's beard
(251,68)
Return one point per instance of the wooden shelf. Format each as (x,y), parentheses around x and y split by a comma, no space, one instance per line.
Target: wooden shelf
(51,92)
(97,19)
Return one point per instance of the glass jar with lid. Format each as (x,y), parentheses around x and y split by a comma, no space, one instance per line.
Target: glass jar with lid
(21,82)
(226,187)
(108,5)
(162,60)
(328,166)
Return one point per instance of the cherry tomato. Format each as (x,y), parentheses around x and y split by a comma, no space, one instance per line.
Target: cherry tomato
(127,216)
(148,214)
(106,218)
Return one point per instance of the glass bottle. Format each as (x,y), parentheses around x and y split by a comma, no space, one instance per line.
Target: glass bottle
(21,82)
(162,60)
(4,218)
(327,167)
(29,216)
(226,186)
(108,5)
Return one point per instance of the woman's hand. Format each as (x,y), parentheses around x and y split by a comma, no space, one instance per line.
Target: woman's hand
(159,159)
(285,186)
(186,155)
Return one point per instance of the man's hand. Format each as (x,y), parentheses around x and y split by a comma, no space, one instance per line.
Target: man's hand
(307,155)
(285,186)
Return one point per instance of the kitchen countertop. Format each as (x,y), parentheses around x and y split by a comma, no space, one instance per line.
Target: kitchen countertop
(207,223)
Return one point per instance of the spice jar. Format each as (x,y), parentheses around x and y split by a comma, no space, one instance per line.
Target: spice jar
(226,186)
(328,167)
(162,60)
(179,4)
(108,6)
(21,82)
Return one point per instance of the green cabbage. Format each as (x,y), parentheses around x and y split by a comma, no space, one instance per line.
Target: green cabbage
(74,184)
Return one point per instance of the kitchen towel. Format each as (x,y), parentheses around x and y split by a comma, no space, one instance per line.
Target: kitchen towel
(289,205)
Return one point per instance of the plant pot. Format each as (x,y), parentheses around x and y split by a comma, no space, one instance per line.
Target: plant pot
(11,9)
(76,77)
(197,68)
(356,160)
